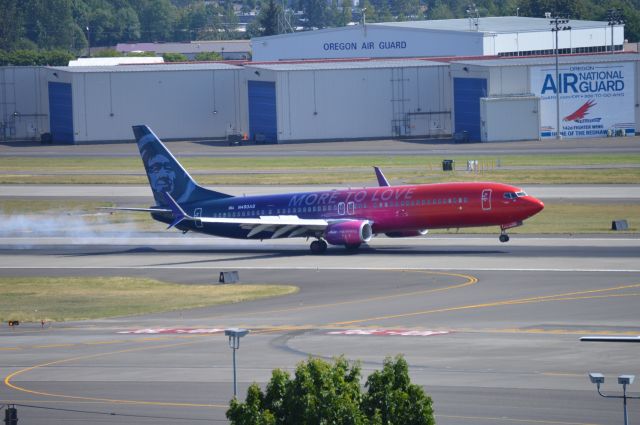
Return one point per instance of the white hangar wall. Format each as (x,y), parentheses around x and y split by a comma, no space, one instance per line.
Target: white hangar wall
(377,99)
(23,114)
(367,41)
(177,101)
(488,36)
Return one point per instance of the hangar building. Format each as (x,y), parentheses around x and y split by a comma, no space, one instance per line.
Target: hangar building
(83,104)
(490,36)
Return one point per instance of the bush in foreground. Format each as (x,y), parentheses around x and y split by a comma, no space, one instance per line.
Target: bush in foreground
(325,393)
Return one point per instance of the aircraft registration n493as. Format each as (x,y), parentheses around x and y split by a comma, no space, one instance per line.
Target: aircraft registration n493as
(338,217)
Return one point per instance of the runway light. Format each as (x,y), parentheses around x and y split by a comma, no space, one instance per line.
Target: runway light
(234,335)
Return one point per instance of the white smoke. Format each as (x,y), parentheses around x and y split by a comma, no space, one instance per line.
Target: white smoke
(75,227)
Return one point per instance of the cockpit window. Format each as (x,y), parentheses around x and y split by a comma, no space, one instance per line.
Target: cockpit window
(510,195)
(521,194)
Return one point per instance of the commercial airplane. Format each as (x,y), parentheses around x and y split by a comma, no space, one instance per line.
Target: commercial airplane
(347,217)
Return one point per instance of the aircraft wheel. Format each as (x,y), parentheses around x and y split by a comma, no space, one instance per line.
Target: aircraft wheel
(318,247)
(504,238)
(352,246)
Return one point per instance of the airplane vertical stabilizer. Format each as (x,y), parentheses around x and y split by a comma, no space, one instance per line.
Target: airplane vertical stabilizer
(165,173)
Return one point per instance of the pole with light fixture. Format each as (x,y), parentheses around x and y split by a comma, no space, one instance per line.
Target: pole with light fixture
(234,335)
(559,24)
(624,380)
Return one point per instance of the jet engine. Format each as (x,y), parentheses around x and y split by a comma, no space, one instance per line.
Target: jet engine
(407,233)
(353,232)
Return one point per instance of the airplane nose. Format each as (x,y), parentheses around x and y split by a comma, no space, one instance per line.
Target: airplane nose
(537,205)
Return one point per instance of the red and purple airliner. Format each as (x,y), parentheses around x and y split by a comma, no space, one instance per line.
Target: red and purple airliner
(347,217)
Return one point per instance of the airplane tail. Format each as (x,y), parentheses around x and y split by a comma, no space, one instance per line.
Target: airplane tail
(165,173)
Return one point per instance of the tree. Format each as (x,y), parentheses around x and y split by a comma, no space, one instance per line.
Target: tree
(10,23)
(174,57)
(208,56)
(325,393)
(394,399)
(49,24)
(268,18)
(315,13)
(156,19)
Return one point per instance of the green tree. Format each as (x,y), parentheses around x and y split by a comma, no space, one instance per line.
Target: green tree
(394,399)
(11,23)
(208,56)
(330,393)
(268,18)
(315,13)
(174,57)
(49,24)
(156,19)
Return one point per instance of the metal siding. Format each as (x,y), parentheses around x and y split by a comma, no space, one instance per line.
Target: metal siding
(466,103)
(61,112)
(262,110)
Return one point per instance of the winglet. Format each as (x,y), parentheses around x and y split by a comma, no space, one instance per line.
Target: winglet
(382,180)
(178,212)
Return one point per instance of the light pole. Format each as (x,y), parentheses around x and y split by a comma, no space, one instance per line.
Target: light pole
(624,380)
(234,335)
(615,17)
(89,39)
(559,24)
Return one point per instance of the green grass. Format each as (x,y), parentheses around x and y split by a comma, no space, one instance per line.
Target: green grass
(348,170)
(356,177)
(31,299)
(133,164)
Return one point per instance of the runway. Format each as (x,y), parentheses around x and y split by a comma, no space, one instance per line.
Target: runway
(490,330)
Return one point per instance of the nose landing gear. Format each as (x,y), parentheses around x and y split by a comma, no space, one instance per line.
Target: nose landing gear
(318,246)
(504,237)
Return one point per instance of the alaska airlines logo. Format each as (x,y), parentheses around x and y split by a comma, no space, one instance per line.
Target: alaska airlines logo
(581,112)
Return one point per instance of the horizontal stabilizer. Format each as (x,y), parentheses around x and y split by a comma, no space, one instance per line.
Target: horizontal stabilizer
(178,213)
(150,210)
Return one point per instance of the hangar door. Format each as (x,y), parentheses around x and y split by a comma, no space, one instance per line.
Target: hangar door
(60,113)
(466,105)
(263,126)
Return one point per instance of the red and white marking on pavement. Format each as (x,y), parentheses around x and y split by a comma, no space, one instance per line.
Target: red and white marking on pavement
(387,332)
(172,331)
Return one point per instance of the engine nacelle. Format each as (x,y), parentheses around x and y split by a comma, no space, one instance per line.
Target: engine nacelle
(348,232)
(407,233)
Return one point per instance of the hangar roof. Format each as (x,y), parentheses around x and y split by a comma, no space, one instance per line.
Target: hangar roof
(331,65)
(495,24)
(212,66)
(549,60)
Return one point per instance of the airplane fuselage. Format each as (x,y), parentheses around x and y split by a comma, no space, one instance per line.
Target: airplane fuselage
(392,209)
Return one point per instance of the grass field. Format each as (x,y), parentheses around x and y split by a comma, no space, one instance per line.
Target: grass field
(351,170)
(31,299)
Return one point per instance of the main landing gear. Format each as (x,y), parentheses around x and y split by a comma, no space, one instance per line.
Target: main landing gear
(503,236)
(318,246)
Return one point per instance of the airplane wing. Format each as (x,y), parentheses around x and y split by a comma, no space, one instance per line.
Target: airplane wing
(279,225)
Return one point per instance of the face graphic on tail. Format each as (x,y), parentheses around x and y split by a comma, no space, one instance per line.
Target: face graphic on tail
(161,174)
(164,173)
